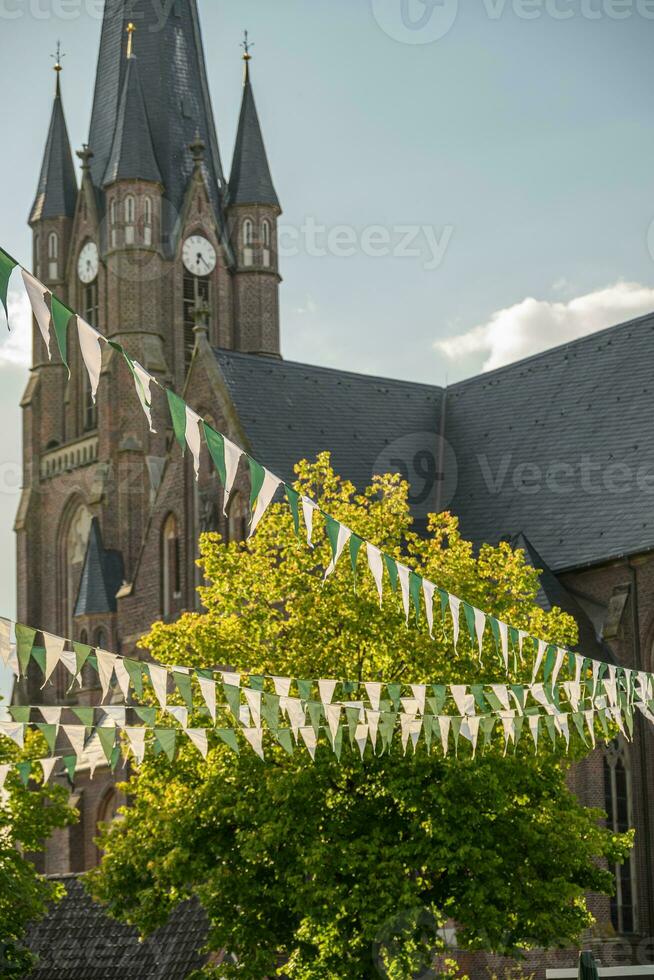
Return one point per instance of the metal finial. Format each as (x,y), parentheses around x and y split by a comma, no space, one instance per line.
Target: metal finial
(247,57)
(130,35)
(58,67)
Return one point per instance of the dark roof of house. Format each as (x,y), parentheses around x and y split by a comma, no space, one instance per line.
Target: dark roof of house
(78,941)
(132,153)
(293,411)
(173,77)
(250,181)
(102,576)
(56,195)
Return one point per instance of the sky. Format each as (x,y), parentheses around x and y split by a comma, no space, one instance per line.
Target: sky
(461,186)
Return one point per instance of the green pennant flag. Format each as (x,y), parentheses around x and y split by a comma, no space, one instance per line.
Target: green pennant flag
(470,621)
(550,660)
(352,715)
(38,655)
(115,757)
(601,714)
(387,727)
(256,682)
(233,698)
(394,693)
(304,689)
(216,447)
(332,528)
(514,637)
(20,712)
(487,724)
(60,318)
(518,724)
(7,266)
(392,571)
(337,744)
(438,699)
(183,682)
(578,719)
(349,687)
(107,738)
(455,726)
(69,762)
(355,546)
(24,771)
(49,733)
(519,693)
(257,476)
(177,407)
(415,591)
(85,715)
(165,738)
(494,701)
(24,643)
(629,719)
(445,603)
(477,690)
(147,715)
(495,630)
(270,710)
(551,728)
(283,736)
(228,735)
(427,727)
(315,716)
(135,671)
(293,498)
(82,654)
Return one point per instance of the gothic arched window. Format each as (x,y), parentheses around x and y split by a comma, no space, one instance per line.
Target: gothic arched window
(171,589)
(147,220)
(53,255)
(266,238)
(619,808)
(129,208)
(37,255)
(248,241)
(113,218)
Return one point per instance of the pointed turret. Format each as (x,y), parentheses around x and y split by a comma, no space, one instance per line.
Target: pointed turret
(56,194)
(132,153)
(250,181)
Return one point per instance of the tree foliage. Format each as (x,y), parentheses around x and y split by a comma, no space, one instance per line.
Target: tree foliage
(348,869)
(28,815)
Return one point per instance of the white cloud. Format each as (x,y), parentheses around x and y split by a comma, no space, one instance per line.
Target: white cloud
(16,345)
(536,325)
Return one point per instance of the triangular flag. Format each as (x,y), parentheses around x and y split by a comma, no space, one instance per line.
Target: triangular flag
(310,740)
(541,649)
(106,662)
(166,738)
(24,643)
(444,726)
(47,765)
(534,721)
(199,738)
(255,738)
(107,738)
(53,649)
(428,589)
(52,715)
(232,458)
(308,507)
(403,574)
(372,717)
(90,344)
(480,626)
(61,317)
(177,408)
(142,382)
(159,678)
(337,542)
(179,713)
(122,676)
(376,565)
(293,498)
(326,689)
(361,738)
(37,294)
(253,699)
(5,633)
(76,735)
(374,691)
(7,266)
(333,716)
(455,608)
(208,689)
(136,736)
(193,438)
(49,733)
(265,493)
(282,685)
(15,731)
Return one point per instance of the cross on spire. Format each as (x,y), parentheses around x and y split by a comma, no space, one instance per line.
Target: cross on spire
(247,57)
(58,67)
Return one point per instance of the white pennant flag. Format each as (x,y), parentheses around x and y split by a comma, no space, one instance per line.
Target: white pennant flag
(5,640)
(403,574)
(428,589)
(579,663)
(282,686)
(265,495)
(419,692)
(136,737)
(69,660)
(376,565)
(590,722)
(408,728)
(142,382)
(115,713)
(179,713)
(310,740)
(37,293)
(502,694)
(344,535)
(409,705)
(504,641)
(199,738)
(52,716)
(326,689)
(253,699)
(47,765)
(90,344)
(208,689)
(444,725)
(232,459)
(296,713)
(573,692)
(465,703)
(480,626)
(561,722)
(373,690)
(244,716)
(13,730)
(255,738)
(229,677)
(361,737)
(122,676)
(540,655)
(106,662)
(534,721)
(76,735)
(333,716)
(508,724)
(472,724)
(372,717)
(159,678)
(455,607)
(558,663)
(308,508)
(54,646)
(193,438)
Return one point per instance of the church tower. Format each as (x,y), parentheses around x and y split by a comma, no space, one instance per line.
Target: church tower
(154,240)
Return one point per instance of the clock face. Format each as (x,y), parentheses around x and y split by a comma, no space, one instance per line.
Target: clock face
(87,266)
(199,255)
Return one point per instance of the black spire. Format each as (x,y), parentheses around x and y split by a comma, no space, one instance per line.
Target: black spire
(132,153)
(174,92)
(57,190)
(250,181)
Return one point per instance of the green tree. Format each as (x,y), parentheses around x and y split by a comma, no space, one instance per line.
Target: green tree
(28,815)
(348,869)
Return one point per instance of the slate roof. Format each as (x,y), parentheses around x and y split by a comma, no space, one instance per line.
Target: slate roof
(173,77)
(558,446)
(250,181)
(132,153)
(78,941)
(102,576)
(56,193)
